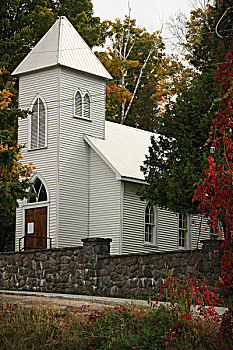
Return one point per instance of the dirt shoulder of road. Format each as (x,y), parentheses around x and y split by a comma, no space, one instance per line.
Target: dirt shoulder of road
(65,302)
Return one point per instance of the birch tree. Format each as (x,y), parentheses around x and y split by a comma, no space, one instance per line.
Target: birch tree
(132,59)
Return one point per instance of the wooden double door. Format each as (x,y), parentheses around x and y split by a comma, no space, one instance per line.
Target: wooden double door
(36,228)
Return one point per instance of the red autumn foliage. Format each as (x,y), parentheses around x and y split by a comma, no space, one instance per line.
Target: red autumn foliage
(215,191)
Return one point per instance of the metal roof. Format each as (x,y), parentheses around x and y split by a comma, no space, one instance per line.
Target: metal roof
(62,45)
(123,149)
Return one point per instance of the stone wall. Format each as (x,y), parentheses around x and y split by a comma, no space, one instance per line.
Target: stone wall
(91,269)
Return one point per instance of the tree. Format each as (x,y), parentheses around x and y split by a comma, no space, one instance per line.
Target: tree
(11,170)
(132,60)
(196,37)
(177,159)
(215,192)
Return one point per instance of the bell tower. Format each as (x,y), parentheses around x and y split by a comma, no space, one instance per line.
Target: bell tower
(62,84)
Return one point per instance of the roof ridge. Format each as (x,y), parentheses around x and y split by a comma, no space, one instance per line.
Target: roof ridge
(131,127)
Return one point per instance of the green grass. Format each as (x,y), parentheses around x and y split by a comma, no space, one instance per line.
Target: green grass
(123,328)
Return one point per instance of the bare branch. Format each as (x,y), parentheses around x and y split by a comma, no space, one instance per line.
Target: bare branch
(128,33)
(137,84)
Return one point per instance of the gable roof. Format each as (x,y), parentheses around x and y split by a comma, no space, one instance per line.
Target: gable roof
(123,149)
(62,45)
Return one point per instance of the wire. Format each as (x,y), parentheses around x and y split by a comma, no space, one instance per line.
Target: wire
(136,41)
(104,94)
(107,45)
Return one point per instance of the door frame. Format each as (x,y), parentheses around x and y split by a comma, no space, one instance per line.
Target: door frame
(35,206)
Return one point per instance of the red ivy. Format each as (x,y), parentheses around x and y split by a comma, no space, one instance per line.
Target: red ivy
(215,191)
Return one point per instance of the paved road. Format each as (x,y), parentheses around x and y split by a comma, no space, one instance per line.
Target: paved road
(72,301)
(66,301)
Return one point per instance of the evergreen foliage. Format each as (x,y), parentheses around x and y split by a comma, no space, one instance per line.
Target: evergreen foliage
(177,158)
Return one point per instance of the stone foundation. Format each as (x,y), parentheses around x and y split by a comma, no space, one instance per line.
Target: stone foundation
(91,269)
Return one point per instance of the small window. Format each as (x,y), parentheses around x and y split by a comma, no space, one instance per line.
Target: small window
(78,104)
(40,192)
(87,106)
(82,105)
(183,230)
(38,125)
(149,224)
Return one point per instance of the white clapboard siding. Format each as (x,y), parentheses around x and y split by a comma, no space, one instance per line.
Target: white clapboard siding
(73,154)
(105,192)
(167,230)
(166,223)
(133,222)
(44,83)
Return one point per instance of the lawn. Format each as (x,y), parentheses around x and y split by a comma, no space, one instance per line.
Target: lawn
(120,327)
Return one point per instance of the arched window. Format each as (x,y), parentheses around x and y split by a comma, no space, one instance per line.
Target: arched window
(40,192)
(38,124)
(150,224)
(78,104)
(87,106)
(82,105)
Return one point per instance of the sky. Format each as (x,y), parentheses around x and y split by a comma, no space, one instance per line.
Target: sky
(150,14)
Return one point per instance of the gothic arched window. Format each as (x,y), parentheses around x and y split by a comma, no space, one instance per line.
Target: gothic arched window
(78,104)
(40,192)
(87,106)
(82,105)
(38,124)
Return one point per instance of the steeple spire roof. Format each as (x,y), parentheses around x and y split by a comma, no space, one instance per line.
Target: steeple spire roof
(62,45)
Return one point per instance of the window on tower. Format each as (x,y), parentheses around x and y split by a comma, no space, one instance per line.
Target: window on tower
(87,106)
(82,105)
(38,125)
(78,104)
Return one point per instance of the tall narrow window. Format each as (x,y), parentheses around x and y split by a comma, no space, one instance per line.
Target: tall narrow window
(38,125)
(183,231)
(149,224)
(87,106)
(39,190)
(78,104)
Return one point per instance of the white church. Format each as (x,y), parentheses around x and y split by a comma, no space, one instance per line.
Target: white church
(87,169)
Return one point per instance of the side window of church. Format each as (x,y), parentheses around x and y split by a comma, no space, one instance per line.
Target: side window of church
(38,125)
(82,105)
(183,230)
(149,224)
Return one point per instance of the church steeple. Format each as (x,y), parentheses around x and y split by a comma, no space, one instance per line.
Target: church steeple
(62,45)
(63,83)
